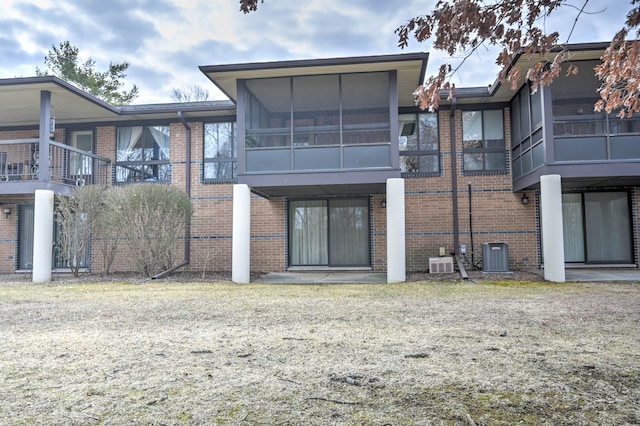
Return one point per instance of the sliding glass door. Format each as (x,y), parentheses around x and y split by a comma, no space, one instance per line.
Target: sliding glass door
(329,232)
(597,227)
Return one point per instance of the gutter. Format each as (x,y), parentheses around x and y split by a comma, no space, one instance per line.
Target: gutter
(187,227)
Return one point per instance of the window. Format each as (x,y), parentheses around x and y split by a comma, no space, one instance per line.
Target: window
(81,165)
(219,151)
(419,146)
(142,154)
(322,122)
(483,145)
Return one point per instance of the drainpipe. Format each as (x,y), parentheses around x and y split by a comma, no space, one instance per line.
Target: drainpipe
(187,227)
(454,176)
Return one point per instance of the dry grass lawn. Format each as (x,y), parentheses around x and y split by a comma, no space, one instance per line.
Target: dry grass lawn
(494,353)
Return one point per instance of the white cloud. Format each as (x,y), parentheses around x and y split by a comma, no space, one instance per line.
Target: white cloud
(165,40)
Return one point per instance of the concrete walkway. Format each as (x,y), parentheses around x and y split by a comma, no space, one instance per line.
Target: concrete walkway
(335,277)
(321,277)
(600,275)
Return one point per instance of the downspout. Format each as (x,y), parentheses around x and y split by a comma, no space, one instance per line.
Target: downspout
(454,177)
(187,227)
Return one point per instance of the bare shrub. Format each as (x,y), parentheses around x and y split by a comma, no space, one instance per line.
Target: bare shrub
(151,218)
(79,216)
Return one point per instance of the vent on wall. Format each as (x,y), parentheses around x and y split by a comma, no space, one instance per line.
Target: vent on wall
(441,265)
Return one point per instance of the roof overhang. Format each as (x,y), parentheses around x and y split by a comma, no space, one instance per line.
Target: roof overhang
(411,68)
(20,105)
(498,92)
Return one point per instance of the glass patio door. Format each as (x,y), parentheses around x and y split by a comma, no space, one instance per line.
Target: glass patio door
(329,232)
(597,227)
(25,242)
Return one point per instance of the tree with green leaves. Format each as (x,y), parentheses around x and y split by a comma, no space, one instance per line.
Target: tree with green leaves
(64,62)
(461,27)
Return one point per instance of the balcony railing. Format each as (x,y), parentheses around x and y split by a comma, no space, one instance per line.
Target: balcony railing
(19,161)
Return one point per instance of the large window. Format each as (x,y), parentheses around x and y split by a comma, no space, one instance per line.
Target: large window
(527,149)
(323,122)
(219,152)
(483,145)
(142,154)
(419,147)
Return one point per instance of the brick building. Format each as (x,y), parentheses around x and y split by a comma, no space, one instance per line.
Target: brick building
(328,164)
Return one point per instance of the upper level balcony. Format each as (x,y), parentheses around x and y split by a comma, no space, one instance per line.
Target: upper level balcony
(23,169)
(596,137)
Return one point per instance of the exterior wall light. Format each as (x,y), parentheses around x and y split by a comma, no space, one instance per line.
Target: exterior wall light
(524,200)
(383,204)
(7,212)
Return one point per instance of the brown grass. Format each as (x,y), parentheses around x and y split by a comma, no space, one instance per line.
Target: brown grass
(494,353)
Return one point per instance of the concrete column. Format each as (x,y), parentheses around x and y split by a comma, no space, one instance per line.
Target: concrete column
(552,232)
(241,241)
(396,264)
(42,236)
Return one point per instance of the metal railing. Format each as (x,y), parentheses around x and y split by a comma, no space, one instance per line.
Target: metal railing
(19,161)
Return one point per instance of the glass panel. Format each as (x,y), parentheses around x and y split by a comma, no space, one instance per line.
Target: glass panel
(494,161)
(536,108)
(572,226)
(538,155)
(142,144)
(268,112)
(575,95)
(25,234)
(409,163)
(429,163)
(308,225)
(81,165)
(359,157)
(365,108)
(316,110)
(428,132)
(525,128)
(408,127)
(349,232)
(420,163)
(515,119)
(517,167)
(493,125)
(220,170)
(317,158)
(576,149)
(625,147)
(473,161)
(219,140)
(608,228)
(265,160)
(527,163)
(471,128)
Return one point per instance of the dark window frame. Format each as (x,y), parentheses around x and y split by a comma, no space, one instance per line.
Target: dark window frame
(233,159)
(484,149)
(139,169)
(419,152)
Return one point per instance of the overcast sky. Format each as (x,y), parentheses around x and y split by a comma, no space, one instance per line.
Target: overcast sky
(165,41)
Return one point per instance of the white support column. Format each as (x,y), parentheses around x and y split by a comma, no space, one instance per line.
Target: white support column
(396,265)
(552,232)
(241,239)
(42,236)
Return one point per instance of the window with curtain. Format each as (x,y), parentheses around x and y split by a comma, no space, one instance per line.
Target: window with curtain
(483,146)
(142,154)
(219,160)
(418,144)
